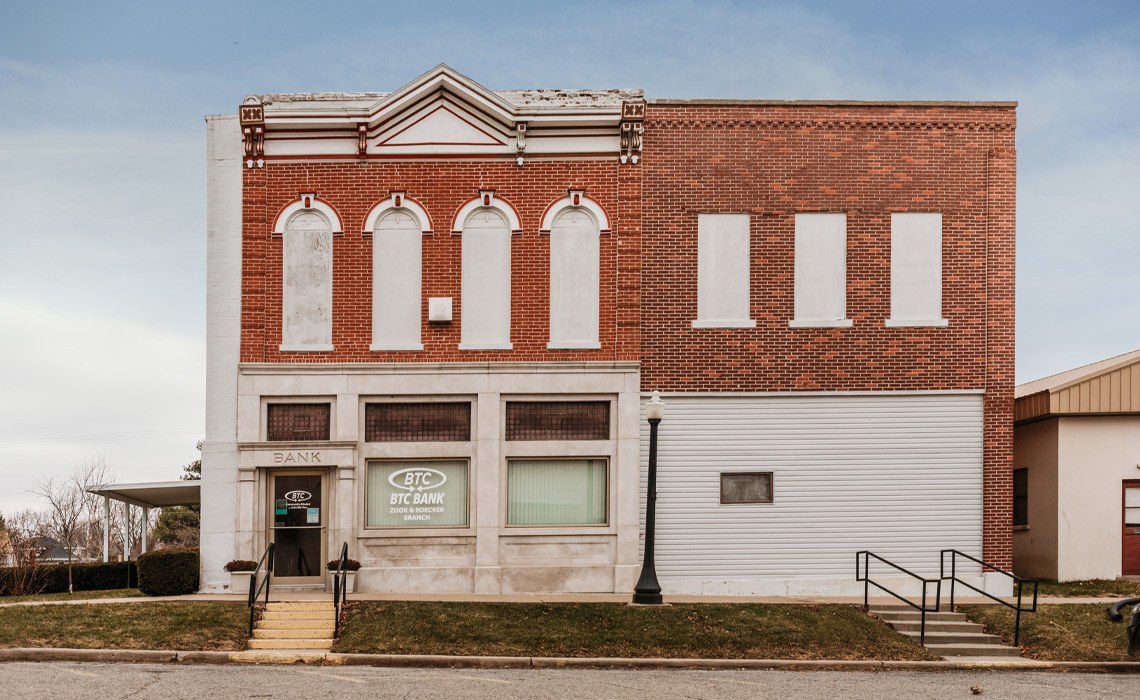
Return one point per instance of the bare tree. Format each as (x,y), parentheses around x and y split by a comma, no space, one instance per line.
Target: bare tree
(25,530)
(64,518)
(96,471)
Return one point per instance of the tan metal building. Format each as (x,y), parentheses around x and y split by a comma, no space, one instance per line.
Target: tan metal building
(1076,445)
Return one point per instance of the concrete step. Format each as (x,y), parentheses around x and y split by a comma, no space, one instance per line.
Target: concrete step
(297,624)
(290,643)
(915,616)
(951,627)
(300,605)
(973,650)
(293,634)
(291,615)
(952,638)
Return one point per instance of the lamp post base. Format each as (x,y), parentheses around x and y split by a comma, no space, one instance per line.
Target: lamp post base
(647,599)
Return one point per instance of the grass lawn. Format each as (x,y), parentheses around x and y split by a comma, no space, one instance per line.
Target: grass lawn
(1095,588)
(79,595)
(1059,632)
(707,630)
(174,626)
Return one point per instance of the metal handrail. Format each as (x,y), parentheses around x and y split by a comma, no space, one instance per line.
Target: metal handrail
(255,587)
(340,587)
(954,554)
(867,583)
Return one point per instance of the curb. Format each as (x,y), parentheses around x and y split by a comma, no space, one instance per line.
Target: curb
(139,656)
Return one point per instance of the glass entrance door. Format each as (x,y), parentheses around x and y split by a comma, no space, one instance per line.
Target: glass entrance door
(297,527)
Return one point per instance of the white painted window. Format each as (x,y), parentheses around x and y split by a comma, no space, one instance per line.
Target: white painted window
(724,267)
(485,306)
(916,270)
(397,253)
(574,280)
(821,271)
(307,283)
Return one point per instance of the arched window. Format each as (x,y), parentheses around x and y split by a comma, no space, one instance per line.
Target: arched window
(574,280)
(397,255)
(306,302)
(485,306)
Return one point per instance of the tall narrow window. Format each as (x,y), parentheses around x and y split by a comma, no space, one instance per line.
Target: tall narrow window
(821,271)
(574,280)
(307,283)
(724,267)
(485,306)
(916,270)
(397,253)
(1020,497)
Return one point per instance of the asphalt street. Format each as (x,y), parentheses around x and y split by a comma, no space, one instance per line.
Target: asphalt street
(46,681)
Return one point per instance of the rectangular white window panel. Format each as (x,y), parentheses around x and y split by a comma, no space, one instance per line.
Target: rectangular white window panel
(916,270)
(821,271)
(416,494)
(485,305)
(724,268)
(556,492)
(397,252)
(307,294)
(574,282)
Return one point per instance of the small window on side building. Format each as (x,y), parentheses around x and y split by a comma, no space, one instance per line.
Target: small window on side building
(1020,497)
(745,487)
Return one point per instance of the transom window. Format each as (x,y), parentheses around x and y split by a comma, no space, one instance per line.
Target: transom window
(558,420)
(297,421)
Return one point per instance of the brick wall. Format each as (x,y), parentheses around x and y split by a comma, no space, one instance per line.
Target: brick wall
(352,188)
(774,161)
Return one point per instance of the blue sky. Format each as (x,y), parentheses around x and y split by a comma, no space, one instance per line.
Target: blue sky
(102,161)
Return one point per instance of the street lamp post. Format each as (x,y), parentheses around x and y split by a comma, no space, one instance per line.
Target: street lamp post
(648,591)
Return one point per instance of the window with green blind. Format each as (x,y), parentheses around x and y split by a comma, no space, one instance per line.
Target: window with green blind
(556,492)
(416,494)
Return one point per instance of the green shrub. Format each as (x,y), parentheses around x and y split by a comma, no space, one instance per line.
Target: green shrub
(52,578)
(169,571)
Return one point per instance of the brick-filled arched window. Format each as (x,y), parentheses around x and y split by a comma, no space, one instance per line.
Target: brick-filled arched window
(306,292)
(574,280)
(485,304)
(397,255)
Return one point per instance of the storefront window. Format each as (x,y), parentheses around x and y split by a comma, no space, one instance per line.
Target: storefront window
(417,494)
(556,492)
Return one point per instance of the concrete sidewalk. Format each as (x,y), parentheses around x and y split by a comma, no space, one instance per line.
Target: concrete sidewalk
(541,598)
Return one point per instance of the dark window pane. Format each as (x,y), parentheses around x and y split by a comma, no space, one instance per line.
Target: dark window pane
(417,422)
(753,487)
(1020,496)
(298,421)
(558,420)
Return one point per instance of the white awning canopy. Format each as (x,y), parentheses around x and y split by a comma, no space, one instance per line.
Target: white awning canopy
(155,494)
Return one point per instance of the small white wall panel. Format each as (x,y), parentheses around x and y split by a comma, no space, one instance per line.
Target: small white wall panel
(724,267)
(485,305)
(821,267)
(307,281)
(898,474)
(397,254)
(916,267)
(574,281)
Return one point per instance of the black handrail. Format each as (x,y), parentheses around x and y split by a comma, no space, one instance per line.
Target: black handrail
(340,586)
(954,554)
(867,583)
(255,587)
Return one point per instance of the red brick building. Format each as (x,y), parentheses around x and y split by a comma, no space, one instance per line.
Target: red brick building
(435,313)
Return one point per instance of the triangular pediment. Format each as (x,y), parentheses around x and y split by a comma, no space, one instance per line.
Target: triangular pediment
(442,81)
(441,124)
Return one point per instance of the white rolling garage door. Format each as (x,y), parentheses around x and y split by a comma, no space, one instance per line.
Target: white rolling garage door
(898,474)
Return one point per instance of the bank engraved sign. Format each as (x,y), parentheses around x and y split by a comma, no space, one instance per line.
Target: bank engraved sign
(409,494)
(297,458)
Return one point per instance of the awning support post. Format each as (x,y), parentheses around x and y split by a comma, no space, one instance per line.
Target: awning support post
(106,528)
(145,524)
